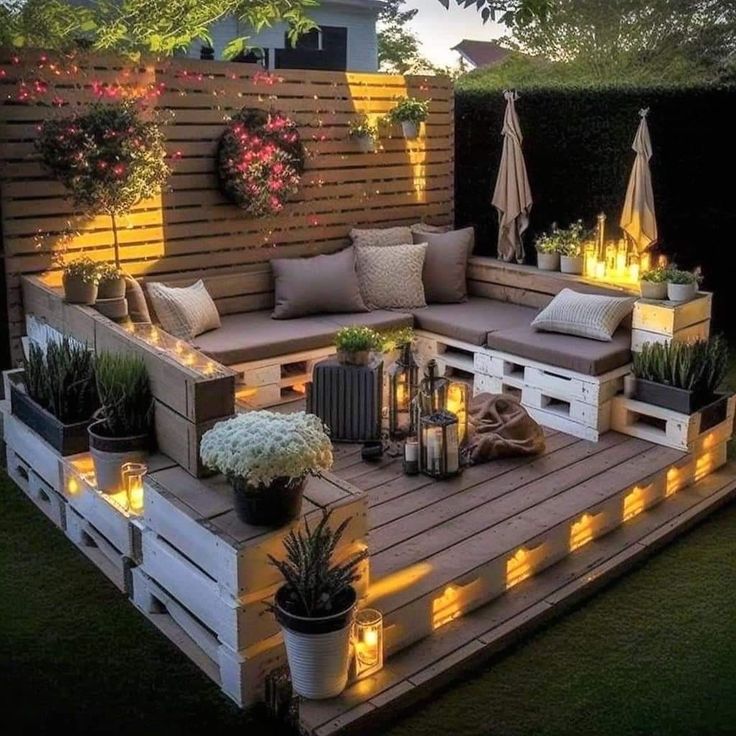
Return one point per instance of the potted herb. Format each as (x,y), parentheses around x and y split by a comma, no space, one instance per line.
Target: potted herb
(548,254)
(112,282)
(363,133)
(122,432)
(653,284)
(684,377)
(266,457)
(355,345)
(315,608)
(55,395)
(411,113)
(682,285)
(80,280)
(570,248)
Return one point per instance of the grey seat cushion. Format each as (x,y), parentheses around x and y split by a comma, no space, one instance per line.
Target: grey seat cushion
(471,321)
(255,336)
(379,319)
(579,354)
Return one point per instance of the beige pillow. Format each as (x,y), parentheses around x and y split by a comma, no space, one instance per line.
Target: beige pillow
(584,315)
(381,236)
(423,227)
(184,312)
(391,276)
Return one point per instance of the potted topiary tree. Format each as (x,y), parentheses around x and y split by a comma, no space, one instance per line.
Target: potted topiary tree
(363,133)
(682,285)
(653,284)
(355,345)
(315,608)
(411,113)
(266,457)
(80,280)
(122,431)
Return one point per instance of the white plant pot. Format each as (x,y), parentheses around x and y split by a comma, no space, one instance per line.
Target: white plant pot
(548,261)
(571,264)
(681,292)
(366,144)
(652,290)
(410,130)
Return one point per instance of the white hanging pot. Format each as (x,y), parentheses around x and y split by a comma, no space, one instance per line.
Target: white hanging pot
(681,292)
(318,649)
(410,129)
(366,144)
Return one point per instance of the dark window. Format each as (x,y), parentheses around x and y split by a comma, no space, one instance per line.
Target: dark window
(331,55)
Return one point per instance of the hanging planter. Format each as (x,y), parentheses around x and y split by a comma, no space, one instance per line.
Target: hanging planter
(410,113)
(363,133)
(260,161)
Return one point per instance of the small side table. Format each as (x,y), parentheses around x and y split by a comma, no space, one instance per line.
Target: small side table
(348,399)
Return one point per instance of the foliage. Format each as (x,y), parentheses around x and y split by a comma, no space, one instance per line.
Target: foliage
(508,12)
(676,276)
(61,379)
(356,339)
(83,269)
(565,241)
(109,272)
(126,402)
(398,47)
(260,160)
(262,446)
(108,156)
(315,585)
(409,110)
(362,128)
(655,276)
(698,366)
(396,338)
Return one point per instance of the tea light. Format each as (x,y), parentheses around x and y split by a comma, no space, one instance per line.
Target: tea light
(368,636)
(133,474)
(411,456)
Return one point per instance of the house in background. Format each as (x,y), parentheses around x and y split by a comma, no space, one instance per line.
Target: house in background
(345,40)
(477,54)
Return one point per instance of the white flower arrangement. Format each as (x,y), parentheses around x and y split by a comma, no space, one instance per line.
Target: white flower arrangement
(261,446)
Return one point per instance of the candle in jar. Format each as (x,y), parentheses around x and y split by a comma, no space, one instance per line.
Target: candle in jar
(600,270)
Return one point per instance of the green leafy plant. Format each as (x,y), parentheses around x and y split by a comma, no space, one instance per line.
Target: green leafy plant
(362,128)
(396,338)
(315,585)
(410,110)
(675,276)
(109,272)
(61,379)
(126,402)
(84,269)
(698,366)
(357,339)
(565,241)
(655,276)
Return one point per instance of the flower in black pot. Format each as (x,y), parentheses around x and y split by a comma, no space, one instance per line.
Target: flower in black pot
(315,608)
(122,432)
(267,457)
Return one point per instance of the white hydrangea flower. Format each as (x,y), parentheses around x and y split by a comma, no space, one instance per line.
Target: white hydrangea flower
(261,446)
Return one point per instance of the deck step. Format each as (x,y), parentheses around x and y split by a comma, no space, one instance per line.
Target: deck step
(416,672)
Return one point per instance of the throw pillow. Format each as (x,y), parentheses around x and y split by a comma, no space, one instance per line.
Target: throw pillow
(423,227)
(326,283)
(381,236)
(446,264)
(184,312)
(137,306)
(391,276)
(584,315)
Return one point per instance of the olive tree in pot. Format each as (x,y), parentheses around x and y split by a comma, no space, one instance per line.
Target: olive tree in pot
(122,432)
(410,113)
(80,279)
(266,457)
(653,284)
(356,344)
(315,608)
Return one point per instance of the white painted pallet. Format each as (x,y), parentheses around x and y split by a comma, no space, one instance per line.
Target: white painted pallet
(35,451)
(448,352)
(670,318)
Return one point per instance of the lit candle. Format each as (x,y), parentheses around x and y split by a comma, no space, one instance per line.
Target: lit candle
(645,262)
(411,456)
(621,257)
(600,270)
(634,272)
(590,260)
(133,474)
(368,641)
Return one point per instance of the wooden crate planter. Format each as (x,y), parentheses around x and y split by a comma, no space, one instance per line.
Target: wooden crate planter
(662,321)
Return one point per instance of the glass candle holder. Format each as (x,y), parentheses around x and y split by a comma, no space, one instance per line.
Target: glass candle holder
(368,639)
(133,474)
(457,404)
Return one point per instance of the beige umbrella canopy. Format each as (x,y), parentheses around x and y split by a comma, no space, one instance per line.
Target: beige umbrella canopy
(638,219)
(512,196)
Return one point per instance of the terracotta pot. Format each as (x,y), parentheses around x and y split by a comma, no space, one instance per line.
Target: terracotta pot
(652,290)
(681,292)
(77,291)
(273,505)
(410,129)
(548,261)
(571,264)
(109,454)
(111,289)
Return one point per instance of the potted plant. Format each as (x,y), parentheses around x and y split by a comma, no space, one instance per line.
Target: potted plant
(653,284)
(682,285)
(356,344)
(570,248)
(315,608)
(111,281)
(55,395)
(548,254)
(392,342)
(122,431)
(684,377)
(411,113)
(80,280)
(266,457)
(363,133)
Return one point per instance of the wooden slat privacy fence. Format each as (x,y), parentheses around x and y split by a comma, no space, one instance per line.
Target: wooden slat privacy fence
(190,229)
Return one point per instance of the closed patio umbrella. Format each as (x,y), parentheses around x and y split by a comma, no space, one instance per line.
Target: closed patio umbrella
(638,219)
(512,196)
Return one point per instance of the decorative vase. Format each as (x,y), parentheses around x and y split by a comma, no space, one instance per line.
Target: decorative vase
(358,357)
(410,129)
(571,264)
(77,291)
(111,288)
(317,649)
(653,290)
(548,261)
(109,454)
(681,292)
(365,143)
(272,505)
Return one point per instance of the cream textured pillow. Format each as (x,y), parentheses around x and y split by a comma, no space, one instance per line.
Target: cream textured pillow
(184,312)
(584,315)
(381,236)
(391,276)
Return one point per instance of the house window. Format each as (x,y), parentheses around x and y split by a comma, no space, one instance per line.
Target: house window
(324,48)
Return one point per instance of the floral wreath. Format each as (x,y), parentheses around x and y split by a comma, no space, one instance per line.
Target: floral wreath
(260,160)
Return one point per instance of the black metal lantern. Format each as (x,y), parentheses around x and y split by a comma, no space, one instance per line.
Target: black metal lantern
(403,377)
(432,395)
(440,447)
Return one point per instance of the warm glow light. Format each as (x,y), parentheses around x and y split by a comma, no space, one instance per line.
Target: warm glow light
(400,580)
(72,485)
(299,388)
(673,481)
(634,503)
(446,607)
(600,270)
(133,474)
(518,568)
(582,531)
(368,642)
(705,464)
(457,404)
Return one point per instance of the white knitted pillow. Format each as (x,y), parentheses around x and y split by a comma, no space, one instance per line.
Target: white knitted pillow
(184,312)
(381,236)
(391,276)
(584,315)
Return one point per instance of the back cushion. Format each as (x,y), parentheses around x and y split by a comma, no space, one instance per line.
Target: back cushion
(381,236)
(184,312)
(446,264)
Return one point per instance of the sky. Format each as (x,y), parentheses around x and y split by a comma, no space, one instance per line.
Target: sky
(439,29)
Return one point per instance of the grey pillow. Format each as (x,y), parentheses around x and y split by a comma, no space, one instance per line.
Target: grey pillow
(326,283)
(391,275)
(446,264)
(584,315)
(381,236)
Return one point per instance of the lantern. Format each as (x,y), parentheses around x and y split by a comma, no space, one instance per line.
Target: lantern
(133,474)
(439,454)
(457,404)
(432,394)
(368,639)
(403,378)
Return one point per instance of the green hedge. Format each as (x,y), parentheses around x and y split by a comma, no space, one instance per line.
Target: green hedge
(577,145)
